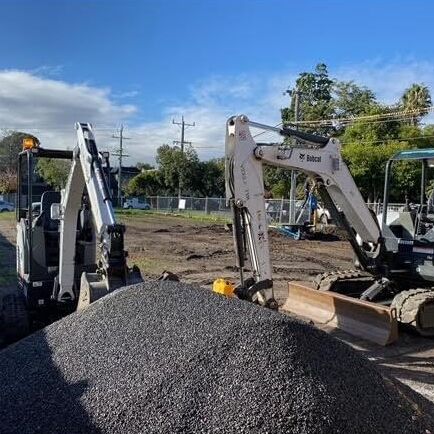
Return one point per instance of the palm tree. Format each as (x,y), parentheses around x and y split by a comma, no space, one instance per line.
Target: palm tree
(417,99)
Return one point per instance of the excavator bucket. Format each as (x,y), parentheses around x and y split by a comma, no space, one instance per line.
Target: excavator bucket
(370,321)
(94,286)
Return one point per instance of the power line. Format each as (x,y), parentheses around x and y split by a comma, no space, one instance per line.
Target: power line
(369,119)
(397,114)
(396,139)
(120,153)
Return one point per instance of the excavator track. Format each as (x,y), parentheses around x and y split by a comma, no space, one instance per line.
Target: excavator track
(345,282)
(415,309)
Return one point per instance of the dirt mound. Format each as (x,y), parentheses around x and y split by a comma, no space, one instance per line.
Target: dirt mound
(166,357)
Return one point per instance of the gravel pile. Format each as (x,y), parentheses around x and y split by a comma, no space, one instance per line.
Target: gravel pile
(169,358)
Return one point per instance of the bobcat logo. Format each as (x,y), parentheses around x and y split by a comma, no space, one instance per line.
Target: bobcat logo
(301,156)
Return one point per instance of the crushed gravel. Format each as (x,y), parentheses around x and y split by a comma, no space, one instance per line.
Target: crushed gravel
(170,358)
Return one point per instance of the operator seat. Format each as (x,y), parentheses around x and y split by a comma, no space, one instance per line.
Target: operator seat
(51,228)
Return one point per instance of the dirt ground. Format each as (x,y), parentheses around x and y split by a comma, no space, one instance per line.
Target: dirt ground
(200,251)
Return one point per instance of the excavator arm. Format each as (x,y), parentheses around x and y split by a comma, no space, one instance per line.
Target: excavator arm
(319,158)
(112,271)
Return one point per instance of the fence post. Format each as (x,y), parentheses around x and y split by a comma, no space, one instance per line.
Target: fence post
(206,205)
(158,205)
(281,210)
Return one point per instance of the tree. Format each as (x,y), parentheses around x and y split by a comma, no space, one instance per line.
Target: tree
(211,181)
(367,165)
(416,98)
(147,183)
(8,181)
(351,99)
(54,171)
(315,98)
(178,169)
(363,131)
(277,181)
(10,146)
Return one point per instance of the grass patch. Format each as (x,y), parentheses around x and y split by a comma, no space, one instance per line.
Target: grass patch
(7,216)
(192,215)
(150,266)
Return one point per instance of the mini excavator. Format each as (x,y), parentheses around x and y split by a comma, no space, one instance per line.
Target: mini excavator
(70,249)
(393,281)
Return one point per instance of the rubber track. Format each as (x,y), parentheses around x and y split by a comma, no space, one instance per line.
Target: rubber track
(408,304)
(325,281)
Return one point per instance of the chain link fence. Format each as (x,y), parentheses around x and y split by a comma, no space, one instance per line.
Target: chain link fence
(279,211)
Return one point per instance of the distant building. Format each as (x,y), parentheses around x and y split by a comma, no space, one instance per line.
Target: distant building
(128,172)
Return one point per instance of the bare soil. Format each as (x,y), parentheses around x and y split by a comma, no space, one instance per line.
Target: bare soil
(202,251)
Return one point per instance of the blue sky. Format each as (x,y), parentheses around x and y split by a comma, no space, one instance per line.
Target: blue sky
(143,62)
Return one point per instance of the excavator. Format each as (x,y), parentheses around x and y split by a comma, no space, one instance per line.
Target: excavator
(393,279)
(70,249)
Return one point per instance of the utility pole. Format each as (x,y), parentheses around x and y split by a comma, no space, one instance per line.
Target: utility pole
(293,191)
(120,153)
(182,124)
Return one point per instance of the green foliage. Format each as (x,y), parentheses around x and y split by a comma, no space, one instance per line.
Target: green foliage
(352,100)
(54,171)
(211,181)
(315,98)
(368,143)
(416,97)
(372,131)
(277,181)
(176,168)
(147,183)
(367,164)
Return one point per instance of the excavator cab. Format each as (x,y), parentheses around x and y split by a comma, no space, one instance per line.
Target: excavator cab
(411,225)
(37,232)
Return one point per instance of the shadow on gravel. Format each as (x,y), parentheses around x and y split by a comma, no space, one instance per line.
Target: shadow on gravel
(8,278)
(7,263)
(25,406)
(413,368)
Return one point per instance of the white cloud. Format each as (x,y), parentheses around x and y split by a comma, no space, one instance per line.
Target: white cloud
(50,107)
(48,70)
(211,103)
(389,79)
(126,94)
